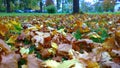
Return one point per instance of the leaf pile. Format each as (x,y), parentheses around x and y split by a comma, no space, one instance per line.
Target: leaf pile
(60,41)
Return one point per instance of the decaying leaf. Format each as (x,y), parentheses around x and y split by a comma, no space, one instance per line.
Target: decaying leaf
(9,61)
(4,47)
(60,41)
(33,62)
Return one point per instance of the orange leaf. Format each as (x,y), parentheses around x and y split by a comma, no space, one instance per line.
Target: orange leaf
(3,29)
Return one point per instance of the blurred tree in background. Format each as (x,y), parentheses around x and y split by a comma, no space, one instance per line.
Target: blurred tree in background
(60,6)
(8,9)
(98,7)
(75,6)
(50,6)
(2,6)
(108,5)
(49,2)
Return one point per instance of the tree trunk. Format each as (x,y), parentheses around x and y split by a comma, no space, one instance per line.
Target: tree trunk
(41,6)
(75,6)
(8,6)
(58,4)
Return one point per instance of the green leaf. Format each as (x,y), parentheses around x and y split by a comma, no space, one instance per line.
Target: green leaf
(38,55)
(21,62)
(31,49)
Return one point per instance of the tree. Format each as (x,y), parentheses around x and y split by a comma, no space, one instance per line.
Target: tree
(98,7)
(108,5)
(41,5)
(58,4)
(49,2)
(2,6)
(8,6)
(50,7)
(75,6)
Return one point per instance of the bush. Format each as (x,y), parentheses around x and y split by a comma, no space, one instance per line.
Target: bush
(2,8)
(51,9)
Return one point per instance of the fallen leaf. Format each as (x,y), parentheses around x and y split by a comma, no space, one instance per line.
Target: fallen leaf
(4,47)
(33,62)
(12,39)
(9,61)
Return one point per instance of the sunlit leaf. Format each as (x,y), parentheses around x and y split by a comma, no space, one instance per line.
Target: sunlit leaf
(51,64)
(68,63)
(12,39)
(54,45)
(24,50)
(62,31)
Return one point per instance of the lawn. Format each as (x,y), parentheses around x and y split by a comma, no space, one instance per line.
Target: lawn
(29,14)
(105,13)
(38,14)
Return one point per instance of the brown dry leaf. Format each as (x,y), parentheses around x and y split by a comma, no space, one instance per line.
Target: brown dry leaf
(117,37)
(5,48)
(21,36)
(82,26)
(85,44)
(45,53)
(42,38)
(9,61)
(33,62)
(64,47)
(109,43)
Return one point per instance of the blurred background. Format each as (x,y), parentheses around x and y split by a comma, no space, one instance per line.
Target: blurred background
(59,6)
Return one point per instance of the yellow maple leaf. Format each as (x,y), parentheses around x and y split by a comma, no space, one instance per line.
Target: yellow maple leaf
(9,26)
(14,23)
(12,39)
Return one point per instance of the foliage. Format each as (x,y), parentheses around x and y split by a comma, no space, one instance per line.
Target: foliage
(108,5)
(49,2)
(2,7)
(55,41)
(51,9)
(98,7)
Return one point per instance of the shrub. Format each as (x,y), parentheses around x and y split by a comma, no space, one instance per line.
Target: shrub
(2,8)
(51,9)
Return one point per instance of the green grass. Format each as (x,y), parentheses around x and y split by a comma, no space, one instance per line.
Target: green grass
(29,14)
(38,14)
(105,13)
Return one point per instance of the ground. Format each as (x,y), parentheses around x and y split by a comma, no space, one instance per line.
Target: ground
(89,40)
